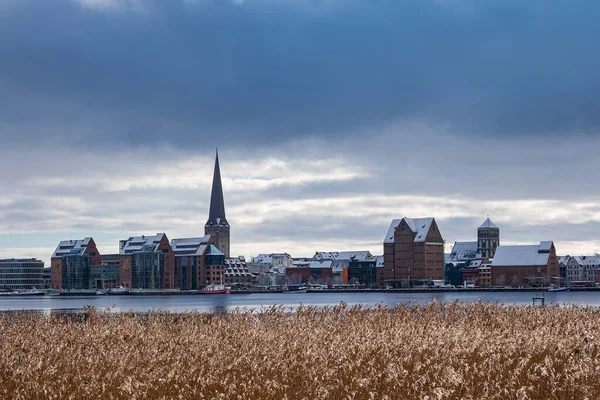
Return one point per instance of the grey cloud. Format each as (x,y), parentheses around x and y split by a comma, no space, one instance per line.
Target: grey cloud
(261,72)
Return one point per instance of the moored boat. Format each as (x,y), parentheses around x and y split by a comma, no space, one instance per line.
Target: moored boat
(120,291)
(215,289)
(32,292)
(296,289)
(558,289)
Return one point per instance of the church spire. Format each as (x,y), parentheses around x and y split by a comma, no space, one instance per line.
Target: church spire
(217,204)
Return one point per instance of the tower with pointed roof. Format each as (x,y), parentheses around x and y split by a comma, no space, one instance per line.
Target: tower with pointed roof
(488,238)
(217,225)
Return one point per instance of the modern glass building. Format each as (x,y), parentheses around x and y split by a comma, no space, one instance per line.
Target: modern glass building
(21,274)
(104,277)
(147,271)
(76,271)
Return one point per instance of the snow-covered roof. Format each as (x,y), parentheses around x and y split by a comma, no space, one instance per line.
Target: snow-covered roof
(378,261)
(263,259)
(321,264)
(464,250)
(488,224)
(546,245)
(362,255)
(563,259)
(142,243)
(190,246)
(532,255)
(214,251)
(587,260)
(71,247)
(420,226)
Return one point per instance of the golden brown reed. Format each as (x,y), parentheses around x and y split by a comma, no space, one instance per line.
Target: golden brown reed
(443,351)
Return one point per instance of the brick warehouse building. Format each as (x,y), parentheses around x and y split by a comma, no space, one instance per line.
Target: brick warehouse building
(147,262)
(535,265)
(413,249)
(72,262)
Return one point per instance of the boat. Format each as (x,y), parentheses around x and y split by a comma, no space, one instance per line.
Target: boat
(32,292)
(558,289)
(120,291)
(100,292)
(296,289)
(215,289)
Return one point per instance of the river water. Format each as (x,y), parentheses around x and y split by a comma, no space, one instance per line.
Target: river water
(220,303)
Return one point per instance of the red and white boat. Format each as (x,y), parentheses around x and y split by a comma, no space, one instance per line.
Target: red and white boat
(215,289)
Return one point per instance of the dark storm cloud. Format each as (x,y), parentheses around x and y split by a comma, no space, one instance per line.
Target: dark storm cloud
(261,72)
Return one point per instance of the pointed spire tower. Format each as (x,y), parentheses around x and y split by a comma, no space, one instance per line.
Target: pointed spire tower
(217,225)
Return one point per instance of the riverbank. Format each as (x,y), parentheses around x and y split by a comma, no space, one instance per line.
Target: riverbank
(159,292)
(448,351)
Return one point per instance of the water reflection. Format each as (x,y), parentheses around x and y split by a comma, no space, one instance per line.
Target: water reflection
(57,305)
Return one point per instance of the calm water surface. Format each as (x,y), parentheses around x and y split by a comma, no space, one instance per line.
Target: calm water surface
(219,303)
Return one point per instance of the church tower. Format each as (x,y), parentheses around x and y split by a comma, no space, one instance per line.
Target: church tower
(217,224)
(488,238)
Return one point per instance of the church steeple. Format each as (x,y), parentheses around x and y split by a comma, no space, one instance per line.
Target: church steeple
(217,204)
(217,225)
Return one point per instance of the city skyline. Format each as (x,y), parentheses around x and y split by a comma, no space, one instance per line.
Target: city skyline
(329,120)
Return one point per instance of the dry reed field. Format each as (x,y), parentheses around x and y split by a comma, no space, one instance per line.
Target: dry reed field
(435,351)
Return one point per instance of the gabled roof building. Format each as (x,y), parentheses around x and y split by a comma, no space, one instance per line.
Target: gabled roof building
(71,263)
(413,249)
(147,262)
(530,265)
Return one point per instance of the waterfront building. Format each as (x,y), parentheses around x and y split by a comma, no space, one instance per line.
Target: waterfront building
(71,264)
(317,272)
(274,260)
(363,272)
(580,269)
(217,225)
(21,274)
(237,272)
(379,263)
(485,275)
(532,265)
(147,262)
(190,266)
(413,250)
(488,239)
(47,275)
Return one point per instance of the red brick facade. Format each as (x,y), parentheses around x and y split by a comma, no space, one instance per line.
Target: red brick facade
(412,253)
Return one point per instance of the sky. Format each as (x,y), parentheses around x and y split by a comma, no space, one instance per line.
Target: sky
(332,117)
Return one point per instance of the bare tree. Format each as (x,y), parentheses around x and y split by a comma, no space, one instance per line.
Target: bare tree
(501,280)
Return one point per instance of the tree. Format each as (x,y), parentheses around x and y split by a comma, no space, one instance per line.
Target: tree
(501,280)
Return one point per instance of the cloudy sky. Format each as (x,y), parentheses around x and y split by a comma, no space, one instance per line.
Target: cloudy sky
(331,117)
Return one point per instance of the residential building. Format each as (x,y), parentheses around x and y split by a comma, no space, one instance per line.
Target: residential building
(236,272)
(485,275)
(21,274)
(147,262)
(71,264)
(580,269)
(190,262)
(532,265)
(340,260)
(488,239)
(413,250)
(217,225)
(274,259)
